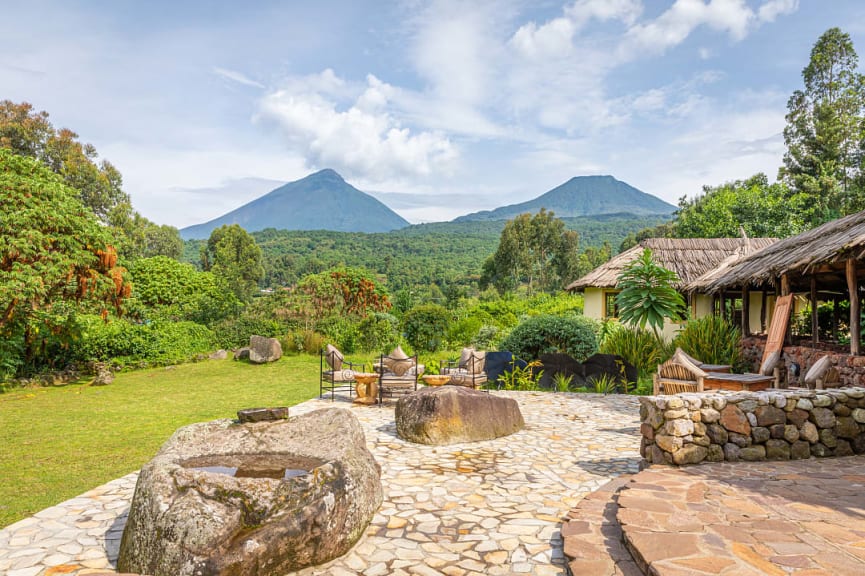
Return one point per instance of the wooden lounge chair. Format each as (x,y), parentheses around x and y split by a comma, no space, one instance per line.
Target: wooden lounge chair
(678,374)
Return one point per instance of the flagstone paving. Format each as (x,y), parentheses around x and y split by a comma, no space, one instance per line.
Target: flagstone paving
(803,517)
(492,507)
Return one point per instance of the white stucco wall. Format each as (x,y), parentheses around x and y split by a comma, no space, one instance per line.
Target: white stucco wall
(593,303)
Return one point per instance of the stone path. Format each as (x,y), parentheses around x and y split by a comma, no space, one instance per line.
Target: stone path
(803,517)
(491,507)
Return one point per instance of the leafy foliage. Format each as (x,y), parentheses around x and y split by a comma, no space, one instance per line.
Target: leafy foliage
(173,290)
(54,258)
(522,378)
(424,327)
(760,209)
(639,348)
(571,334)
(232,254)
(126,343)
(712,340)
(536,250)
(824,131)
(647,294)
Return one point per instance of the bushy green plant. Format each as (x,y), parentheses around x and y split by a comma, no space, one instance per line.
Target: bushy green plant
(342,331)
(126,343)
(235,332)
(487,337)
(308,341)
(378,332)
(639,348)
(425,327)
(562,381)
(712,340)
(571,334)
(524,379)
(604,384)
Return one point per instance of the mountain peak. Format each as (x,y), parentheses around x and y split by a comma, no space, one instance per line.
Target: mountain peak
(583,196)
(320,201)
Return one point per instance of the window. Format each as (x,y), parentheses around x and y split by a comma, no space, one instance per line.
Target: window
(611,307)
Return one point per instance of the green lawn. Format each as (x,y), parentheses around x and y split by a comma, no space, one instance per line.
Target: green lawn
(59,442)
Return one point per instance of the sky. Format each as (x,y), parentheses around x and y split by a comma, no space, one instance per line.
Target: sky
(439,108)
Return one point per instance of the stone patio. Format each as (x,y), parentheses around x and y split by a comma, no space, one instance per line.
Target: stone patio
(492,507)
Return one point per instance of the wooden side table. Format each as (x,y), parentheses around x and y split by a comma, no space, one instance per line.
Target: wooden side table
(366,385)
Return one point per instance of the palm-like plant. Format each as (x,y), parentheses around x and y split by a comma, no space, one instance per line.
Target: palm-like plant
(648,295)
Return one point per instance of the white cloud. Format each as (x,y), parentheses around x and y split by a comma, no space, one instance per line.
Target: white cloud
(771,9)
(236,76)
(351,129)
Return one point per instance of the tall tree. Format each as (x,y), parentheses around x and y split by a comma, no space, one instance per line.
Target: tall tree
(233,255)
(536,250)
(825,129)
(54,257)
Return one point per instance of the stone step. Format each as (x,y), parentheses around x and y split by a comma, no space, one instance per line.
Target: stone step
(593,543)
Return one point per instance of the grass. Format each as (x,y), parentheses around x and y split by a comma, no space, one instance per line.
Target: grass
(61,441)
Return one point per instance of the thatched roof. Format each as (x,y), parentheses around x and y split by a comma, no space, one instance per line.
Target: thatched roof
(830,244)
(689,258)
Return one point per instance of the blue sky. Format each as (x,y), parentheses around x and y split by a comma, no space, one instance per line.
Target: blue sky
(440,108)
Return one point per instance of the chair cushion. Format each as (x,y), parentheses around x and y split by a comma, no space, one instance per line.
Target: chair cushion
(398,362)
(475,363)
(767,368)
(818,369)
(333,357)
(464,357)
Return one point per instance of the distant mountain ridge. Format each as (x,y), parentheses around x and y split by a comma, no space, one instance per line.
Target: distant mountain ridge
(320,201)
(582,196)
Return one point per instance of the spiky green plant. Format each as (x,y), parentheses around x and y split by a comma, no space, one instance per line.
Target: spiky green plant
(562,381)
(639,348)
(648,295)
(712,340)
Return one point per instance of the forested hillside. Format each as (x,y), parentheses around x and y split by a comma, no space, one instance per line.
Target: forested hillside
(444,253)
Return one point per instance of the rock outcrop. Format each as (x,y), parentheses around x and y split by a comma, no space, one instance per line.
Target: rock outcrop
(451,414)
(252,499)
(263,350)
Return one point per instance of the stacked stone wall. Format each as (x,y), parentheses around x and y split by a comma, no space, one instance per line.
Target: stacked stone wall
(752,426)
(850,368)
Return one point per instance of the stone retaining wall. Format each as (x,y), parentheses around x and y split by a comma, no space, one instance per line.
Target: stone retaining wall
(771,425)
(851,368)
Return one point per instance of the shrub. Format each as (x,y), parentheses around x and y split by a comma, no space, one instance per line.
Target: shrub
(425,326)
(308,341)
(342,331)
(378,332)
(487,337)
(126,343)
(235,332)
(640,348)
(573,335)
(712,340)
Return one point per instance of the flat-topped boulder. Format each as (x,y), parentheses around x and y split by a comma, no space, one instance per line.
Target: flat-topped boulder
(452,414)
(252,499)
(263,350)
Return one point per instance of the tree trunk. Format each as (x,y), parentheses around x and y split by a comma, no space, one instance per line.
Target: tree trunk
(746,312)
(815,324)
(853,288)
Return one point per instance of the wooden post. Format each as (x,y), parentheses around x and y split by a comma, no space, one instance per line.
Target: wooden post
(763,304)
(746,311)
(785,285)
(815,325)
(723,305)
(836,315)
(853,289)
(714,302)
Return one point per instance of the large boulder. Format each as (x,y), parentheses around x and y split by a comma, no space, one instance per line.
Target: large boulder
(252,499)
(263,350)
(451,414)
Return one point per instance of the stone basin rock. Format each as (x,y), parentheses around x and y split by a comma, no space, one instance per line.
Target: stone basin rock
(223,498)
(451,414)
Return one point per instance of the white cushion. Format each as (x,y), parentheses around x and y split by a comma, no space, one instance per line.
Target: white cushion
(818,369)
(767,368)
(333,357)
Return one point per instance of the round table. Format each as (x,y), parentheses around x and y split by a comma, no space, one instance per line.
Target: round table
(436,379)
(366,387)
